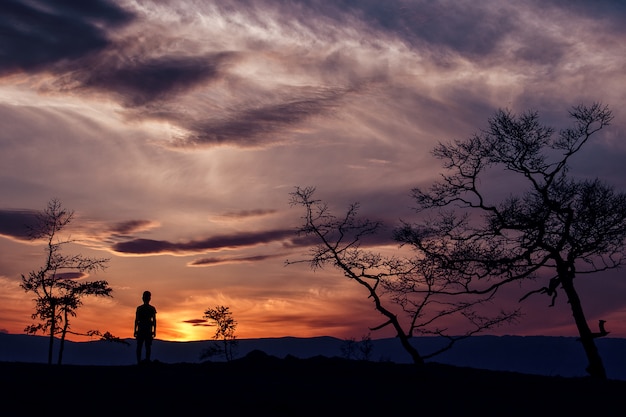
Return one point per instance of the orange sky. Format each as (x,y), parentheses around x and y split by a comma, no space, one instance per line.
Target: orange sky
(176,130)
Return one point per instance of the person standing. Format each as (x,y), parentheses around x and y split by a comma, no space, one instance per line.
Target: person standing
(145,326)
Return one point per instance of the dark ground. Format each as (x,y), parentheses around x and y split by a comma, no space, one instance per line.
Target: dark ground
(261,385)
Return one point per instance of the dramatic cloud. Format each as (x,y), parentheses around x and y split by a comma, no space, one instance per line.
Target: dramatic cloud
(249,126)
(148,246)
(36,34)
(17,223)
(131,226)
(221,261)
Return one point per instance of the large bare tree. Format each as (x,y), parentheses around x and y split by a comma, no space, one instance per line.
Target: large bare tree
(411,295)
(58,284)
(509,208)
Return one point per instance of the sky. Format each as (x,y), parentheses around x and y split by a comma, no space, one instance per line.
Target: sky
(176,131)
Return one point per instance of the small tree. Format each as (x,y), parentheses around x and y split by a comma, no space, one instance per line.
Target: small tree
(407,291)
(348,348)
(58,291)
(351,349)
(225,325)
(71,300)
(551,226)
(366,347)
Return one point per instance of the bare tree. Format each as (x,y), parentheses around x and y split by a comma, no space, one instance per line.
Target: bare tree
(405,290)
(348,348)
(57,284)
(362,350)
(366,347)
(549,226)
(225,325)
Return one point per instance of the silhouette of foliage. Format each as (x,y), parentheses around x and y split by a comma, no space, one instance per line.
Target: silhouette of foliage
(108,337)
(57,284)
(551,227)
(362,350)
(225,325)
(348,348)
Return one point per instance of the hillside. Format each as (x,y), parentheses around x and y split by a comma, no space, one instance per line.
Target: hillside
(540,355)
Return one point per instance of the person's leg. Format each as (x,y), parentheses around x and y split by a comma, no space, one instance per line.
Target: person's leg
(148,349)
(139,348)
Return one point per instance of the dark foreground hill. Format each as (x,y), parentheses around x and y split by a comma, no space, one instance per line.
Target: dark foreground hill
(263,385)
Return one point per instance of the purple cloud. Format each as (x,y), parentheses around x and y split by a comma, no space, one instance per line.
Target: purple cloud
(150,246)
(249,213)
(17,223)
(130,226)
(221,261)
(250,126)
(36,34)
(144,80)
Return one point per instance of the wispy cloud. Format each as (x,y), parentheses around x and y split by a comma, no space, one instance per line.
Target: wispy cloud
(248,213)
(252,126)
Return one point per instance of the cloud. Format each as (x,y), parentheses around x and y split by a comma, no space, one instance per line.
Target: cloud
(471,29)
(198,322)
(248,213)
(149,246)
(467,28)
(143,80)
(36,34)
(221,261)
(131,226)
(18,223)
(250,126)
(182,83)
(608,12)
(70,275)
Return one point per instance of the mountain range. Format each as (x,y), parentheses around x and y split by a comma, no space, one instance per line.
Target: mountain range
(541,355)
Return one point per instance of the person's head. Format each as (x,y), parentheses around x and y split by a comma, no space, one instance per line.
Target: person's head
(146,296)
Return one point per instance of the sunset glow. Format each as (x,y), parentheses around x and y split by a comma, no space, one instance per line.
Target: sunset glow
(175,130)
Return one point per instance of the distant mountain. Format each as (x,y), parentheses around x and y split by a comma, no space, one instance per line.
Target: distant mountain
(542,355)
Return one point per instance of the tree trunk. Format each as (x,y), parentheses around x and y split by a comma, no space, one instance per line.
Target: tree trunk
(393,320)
(60,359)
(62,341)
(52,331)
(596,367)
(417,358)
(51,343)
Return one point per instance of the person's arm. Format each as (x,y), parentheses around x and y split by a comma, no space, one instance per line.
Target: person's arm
(135,327)
(154,324)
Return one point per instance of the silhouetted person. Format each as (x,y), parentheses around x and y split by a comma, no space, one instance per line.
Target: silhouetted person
(145,326)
